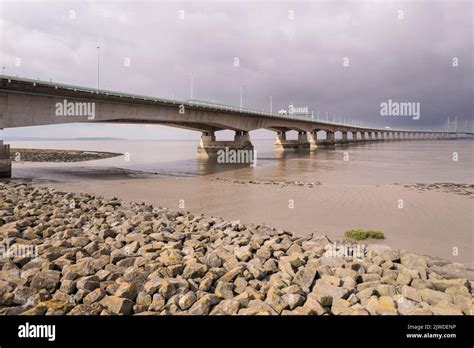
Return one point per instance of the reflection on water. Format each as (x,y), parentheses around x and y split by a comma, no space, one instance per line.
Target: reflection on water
(377,163)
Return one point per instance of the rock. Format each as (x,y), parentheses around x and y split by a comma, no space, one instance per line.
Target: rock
(194,270)
(229,276)
(261,307)
(344,272)
(386,290)
(365,278)
(443,284)
(94,296)
(293,300)
(143,299)
(339,306)
(433,297)
(445,308)
(226,307)
(305,277)
(88,283)
(201,306)
(332,261)
(285,266)
(453,271)
(167,289)
(404,277)
(127,290)
(206,283)
(366,293)
(325,293)
(224,290)
(117,305)
(404,306)
(187,300)
(157,303)
(313,306)
(48,280)
(411,293)
(382,306)
(276,302)
(243,253)
(22,294)
(270,266)
(333,280)
(239,285)
(414,262)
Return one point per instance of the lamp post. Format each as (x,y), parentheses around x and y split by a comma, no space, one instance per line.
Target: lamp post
(241,97)
(192,86)
(98,61)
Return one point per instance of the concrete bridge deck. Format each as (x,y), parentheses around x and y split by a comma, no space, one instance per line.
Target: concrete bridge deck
(27,102)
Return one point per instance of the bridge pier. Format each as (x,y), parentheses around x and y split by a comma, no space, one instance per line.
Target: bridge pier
(354,137)
(283,144)
(313,140)
(344,140)
(208,146)
(5,162)
(330,142)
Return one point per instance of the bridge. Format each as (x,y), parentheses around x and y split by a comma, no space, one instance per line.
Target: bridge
(27,102)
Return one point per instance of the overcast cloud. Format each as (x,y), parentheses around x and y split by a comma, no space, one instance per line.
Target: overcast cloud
(296,60)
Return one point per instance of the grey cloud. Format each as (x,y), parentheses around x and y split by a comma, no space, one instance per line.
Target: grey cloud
(297,61)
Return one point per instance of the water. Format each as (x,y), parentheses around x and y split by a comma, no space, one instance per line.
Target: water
(376,163)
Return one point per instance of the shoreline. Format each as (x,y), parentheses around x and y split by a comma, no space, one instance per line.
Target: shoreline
(120,257)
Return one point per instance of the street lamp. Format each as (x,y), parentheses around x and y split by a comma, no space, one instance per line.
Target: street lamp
(98,61)
(192,86)
(271,105)
(241,97)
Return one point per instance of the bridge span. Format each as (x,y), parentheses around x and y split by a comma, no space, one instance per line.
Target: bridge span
(26,102)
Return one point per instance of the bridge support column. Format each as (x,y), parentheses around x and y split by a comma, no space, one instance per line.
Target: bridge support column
(5,162)
(344,140)
(362,137)
(209,147)
(313,140)
(354,137)
(282,144)
(330,142)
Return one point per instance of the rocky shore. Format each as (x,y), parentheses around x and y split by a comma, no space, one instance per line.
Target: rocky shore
(47,155)
(77,254)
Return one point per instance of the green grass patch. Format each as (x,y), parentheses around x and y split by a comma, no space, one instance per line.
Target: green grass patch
(364,234)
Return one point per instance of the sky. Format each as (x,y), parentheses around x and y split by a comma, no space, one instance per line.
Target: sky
(341,58)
